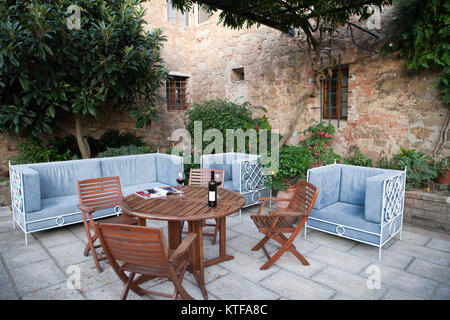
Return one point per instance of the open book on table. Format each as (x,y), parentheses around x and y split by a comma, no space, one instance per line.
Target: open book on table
(157,192)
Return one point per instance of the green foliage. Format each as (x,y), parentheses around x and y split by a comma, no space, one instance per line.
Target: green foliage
(242,13)
(33,151)
(358,159)
(422,29)
(223,115)
(420,168)
(47,67)
(443,166)
(114,139)
(319,140)
(294,162)
(125,151)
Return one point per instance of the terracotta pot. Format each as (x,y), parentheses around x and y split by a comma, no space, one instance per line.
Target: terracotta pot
(286,194)
(443,180)
(315,165)
(282,205)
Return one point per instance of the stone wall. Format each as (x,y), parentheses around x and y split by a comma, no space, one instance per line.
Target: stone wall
(429,210)
(391,107)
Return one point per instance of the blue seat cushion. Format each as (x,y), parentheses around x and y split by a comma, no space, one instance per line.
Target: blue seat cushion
(56,206)
(58,179)
(135,169)
(347,214)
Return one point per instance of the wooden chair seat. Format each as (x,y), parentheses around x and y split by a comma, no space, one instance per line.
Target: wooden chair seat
(122,219)
(277,223)
(268,223)
(142,250)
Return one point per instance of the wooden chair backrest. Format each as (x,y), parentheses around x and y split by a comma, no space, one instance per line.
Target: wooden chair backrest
(138,245)
(100,193)
(201,177)
(304,197)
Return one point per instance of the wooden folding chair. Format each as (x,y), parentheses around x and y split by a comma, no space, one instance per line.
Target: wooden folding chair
(97,194)
(142,250)
(201,177)
(274,225)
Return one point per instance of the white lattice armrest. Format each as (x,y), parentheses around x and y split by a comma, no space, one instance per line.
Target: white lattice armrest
(384,196)
(25,188)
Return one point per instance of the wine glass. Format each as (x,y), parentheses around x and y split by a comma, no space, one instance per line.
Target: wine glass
(180,179)
(218,179)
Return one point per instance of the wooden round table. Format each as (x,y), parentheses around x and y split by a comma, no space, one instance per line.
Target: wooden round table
(192,207)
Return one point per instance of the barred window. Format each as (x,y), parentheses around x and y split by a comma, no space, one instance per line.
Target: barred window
(176,93)
(335,95)
(202,15)
(176,16)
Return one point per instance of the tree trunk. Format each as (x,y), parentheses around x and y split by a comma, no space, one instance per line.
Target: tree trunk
(296,115)
(81,141)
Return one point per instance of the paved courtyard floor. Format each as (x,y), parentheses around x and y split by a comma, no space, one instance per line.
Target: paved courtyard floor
(416,267)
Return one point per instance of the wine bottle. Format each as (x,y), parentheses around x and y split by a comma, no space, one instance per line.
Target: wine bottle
(212,191)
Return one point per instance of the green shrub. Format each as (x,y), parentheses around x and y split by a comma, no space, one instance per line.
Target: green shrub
(33,151)
(125,151)
(358,159)
(420,168)
(319,140)
(114,139)
(222,115)
(294,162)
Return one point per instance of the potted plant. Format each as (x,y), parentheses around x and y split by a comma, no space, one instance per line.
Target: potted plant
(294,161)
(444,171)
(319,140)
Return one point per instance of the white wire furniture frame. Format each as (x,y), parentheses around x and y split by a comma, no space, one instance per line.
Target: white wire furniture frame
(391,212)
(18,208)
(251,179)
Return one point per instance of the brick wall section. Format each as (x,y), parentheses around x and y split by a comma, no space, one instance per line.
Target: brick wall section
(429,210)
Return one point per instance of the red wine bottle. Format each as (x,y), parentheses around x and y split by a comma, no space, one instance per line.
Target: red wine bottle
(212,191)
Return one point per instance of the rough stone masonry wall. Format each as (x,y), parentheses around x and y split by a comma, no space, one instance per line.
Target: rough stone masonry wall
(391,107)
(429,210)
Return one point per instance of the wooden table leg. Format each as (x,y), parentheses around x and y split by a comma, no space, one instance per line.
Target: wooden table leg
(223,256)
(198,264)
(174,233)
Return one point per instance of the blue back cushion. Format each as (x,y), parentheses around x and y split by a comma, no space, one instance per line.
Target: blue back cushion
(354,183)
(131,170)
(60,178)
(327,179)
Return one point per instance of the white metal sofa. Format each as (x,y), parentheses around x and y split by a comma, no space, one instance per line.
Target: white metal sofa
(358,203)
(243,173)
(44,195)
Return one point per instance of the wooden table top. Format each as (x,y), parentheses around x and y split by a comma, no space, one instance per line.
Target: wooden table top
(193,205)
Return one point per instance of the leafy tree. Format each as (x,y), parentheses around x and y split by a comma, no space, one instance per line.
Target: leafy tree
(422,29)
(51,63)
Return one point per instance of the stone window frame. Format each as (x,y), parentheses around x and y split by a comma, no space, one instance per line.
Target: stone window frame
(177,17)
(176,93)
(342,74)
(197,16)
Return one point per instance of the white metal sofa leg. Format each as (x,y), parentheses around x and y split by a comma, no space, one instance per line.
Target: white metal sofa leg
(379,254)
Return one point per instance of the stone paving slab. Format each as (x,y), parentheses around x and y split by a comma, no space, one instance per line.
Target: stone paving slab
(416,267)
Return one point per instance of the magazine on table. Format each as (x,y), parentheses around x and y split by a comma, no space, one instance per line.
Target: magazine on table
(157,192)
